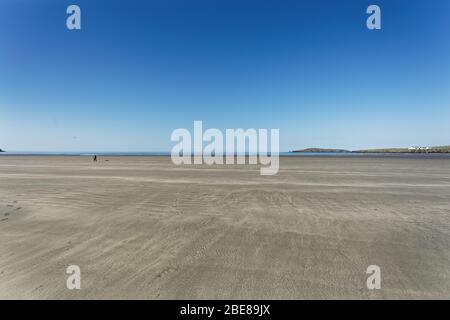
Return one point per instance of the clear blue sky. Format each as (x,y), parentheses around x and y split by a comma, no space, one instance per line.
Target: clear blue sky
(139,69)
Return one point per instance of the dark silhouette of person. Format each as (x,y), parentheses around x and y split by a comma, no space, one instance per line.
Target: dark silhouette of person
(95,158)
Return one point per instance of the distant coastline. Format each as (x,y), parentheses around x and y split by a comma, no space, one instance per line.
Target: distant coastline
(444,150)
(441,149)
(321,150)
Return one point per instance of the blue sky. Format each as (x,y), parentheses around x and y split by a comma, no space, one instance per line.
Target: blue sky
(140,69)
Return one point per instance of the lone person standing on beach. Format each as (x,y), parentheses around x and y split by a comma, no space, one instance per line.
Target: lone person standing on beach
(95,158)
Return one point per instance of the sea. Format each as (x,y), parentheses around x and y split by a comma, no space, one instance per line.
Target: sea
(281,154)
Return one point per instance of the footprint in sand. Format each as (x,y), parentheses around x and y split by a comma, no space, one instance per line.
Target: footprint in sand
(8,210)
(166,271)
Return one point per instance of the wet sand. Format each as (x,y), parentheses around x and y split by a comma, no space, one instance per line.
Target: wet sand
(140,227)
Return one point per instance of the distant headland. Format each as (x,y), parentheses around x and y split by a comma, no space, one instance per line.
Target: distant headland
(1,150)
(442,149)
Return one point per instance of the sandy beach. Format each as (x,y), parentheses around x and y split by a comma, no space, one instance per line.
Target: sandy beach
(139,227)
